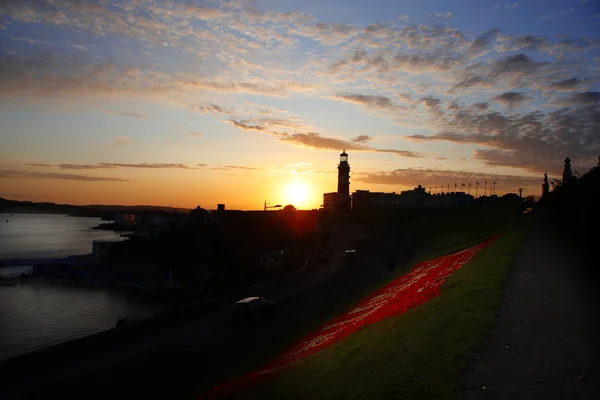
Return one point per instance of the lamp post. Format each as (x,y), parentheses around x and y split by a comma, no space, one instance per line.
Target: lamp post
(275,206)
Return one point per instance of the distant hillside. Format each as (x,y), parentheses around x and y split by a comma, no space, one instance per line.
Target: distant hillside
(95,210)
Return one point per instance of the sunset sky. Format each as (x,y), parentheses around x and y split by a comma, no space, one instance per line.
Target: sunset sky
(185,103)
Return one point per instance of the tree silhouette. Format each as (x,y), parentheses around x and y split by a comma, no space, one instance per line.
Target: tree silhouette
(289,207)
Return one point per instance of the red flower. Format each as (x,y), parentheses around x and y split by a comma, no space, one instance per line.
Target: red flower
(422,283)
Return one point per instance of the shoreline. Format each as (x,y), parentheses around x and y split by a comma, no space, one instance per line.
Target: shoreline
(111,226)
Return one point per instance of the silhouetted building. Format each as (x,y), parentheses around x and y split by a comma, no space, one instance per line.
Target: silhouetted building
(220,207)
(414,198)
(329,200)
(199,218)
(125,219)
(343,192)
(451,199)
(567,173)
(545,185)
(364,200)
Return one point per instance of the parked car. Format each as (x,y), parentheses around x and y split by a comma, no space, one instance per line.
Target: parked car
(351,256)
(252,309)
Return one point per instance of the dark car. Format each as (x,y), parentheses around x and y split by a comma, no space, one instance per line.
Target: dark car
(351,256)
(252,309)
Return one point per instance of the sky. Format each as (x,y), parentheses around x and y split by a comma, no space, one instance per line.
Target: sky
(185,103)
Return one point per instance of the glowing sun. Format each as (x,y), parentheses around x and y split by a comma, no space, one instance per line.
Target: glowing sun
(296,193)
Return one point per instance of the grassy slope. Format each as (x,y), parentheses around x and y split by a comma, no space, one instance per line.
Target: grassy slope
(422,352)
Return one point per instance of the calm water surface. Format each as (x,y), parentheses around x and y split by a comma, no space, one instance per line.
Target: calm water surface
(37,313)
(48,235)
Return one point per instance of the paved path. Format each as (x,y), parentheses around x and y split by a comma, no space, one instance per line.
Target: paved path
(544,344)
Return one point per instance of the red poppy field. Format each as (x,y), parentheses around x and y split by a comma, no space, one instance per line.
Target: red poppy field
(416,287)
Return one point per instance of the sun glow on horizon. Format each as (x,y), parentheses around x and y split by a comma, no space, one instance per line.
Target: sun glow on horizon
(298,193)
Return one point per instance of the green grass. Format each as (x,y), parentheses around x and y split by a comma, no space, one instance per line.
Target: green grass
(423,352)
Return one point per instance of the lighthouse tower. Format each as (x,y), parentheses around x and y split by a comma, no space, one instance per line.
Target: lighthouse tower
(343,192)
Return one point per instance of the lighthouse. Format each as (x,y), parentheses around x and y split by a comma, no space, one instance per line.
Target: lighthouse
(343,192)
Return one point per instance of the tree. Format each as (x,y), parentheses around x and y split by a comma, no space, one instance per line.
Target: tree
(289,207)
(555,183)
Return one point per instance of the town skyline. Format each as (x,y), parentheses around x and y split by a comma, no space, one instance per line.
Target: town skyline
(183,104)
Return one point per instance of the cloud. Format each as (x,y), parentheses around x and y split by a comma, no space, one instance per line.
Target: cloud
(129,114)
(369,101)
(561,47)
(38,165)
(146,166)
(480,106)
(317,141)
(435,177)
(482,42)
(83,166)
(585,98)
(54,175)
(404,18)
(413,49)
(247,127)
(446,15)
(566,85)
(400,153)
(425,63)
(241,167)
(120,165)
(209,109)
(516,69)
(205,13)
(519,63)
(120,141)
(195,134)
(329,34)
(506,6)
(266,87)
(535,141)
(430,102)
(512,99)
(559,14)
(231,50)
(362,139)
(582,98)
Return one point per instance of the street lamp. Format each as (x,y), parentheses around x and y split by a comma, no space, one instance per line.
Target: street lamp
(275,206)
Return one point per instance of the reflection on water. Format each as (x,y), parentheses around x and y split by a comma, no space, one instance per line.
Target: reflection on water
(48,235)
(36,313)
